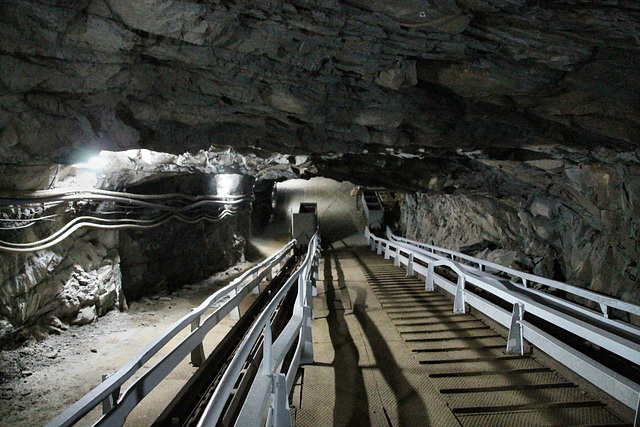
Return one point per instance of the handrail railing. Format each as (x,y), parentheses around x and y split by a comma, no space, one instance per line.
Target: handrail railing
(269,377)
(108,392)
(618,337)
(604,301)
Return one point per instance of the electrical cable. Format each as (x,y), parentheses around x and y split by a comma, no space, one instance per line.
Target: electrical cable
(123,204)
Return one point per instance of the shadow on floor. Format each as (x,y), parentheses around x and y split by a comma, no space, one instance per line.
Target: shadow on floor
(409,403)
(351,401)
(350,387)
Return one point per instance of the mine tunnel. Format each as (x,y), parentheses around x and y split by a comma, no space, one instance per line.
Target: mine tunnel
(319,212)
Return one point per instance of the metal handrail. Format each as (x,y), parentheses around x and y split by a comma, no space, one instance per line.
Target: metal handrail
(604,301)
(268,377)
(622,339)
(110,388)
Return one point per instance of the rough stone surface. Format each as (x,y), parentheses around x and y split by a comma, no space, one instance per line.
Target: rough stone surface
(315,77)
(525,115)
(164,259)
(91,272)
(38,290)
(582,227)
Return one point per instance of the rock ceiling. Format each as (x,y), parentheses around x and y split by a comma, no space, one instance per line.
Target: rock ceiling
(394,92)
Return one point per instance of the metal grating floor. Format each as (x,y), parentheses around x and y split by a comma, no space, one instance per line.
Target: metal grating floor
(388,353)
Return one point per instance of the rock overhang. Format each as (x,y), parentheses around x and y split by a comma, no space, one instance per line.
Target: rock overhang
(322,79)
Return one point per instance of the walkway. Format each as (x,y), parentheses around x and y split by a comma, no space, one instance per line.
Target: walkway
(389,353)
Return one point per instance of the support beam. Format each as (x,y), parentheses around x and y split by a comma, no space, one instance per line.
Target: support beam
(515,343)
(459,300)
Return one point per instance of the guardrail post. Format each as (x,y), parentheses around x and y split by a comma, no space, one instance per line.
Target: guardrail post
(605,310)
(396,262)
(306,336)
(379,248)
(266,349)
(235,313)
(410,265)
(197,354)
(458,302)
(372,243)
(110,401)
(256,290)
(428,283)
(281,411)
(386,251)
(515,343)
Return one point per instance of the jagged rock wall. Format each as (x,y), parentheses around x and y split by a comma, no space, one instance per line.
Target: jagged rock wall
(585,228)
(72,282)
(163,259)
(94,271)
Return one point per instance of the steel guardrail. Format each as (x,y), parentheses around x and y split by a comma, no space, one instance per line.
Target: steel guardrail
(604,301)
(108,392)
(614,335)
(269,377)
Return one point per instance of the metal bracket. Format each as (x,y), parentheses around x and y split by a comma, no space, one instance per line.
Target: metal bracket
(410,265)
(515,342)
(256,290)
(110,401)
(280,405)
(605,310)
(197,354)
(428,284)
(459,300)
(235,313)
(636,421)
(306,336)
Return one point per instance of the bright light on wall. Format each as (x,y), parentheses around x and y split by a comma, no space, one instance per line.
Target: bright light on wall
(94,163)
(226,184)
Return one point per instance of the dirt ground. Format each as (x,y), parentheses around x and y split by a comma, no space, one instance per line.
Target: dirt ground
(41,379)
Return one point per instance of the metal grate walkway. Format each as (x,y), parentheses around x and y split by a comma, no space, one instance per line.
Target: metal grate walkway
(389,353)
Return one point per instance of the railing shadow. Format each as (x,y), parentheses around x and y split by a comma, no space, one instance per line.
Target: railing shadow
(407,397)
(351,401)
(498,364)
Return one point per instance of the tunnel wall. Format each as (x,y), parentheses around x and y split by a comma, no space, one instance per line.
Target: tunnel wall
(94,271)
(175,254)
(589,238)
(71,282)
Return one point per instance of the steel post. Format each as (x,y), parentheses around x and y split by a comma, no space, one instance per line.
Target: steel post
(515,343)
(197,354)
(459,300)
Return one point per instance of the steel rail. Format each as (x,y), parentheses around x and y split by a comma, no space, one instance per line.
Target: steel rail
(579,311)
(271,360)
(238,289)
(598,329)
